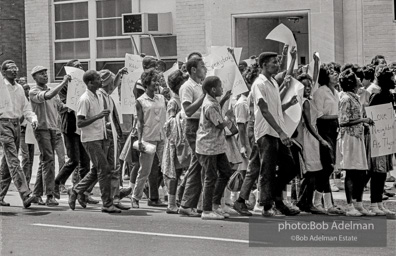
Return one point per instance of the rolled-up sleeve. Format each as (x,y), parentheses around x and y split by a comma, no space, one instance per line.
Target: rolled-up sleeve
(37,96)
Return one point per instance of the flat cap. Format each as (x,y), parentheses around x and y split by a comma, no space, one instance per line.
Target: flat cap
(37,69)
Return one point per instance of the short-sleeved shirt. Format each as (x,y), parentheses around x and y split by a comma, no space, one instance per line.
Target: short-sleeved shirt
(46,110)
(174,106)
(350,109)
(241,110)
(154,115)
(189,92)
(325,101)
(267,90)
(210,139)
(88,106)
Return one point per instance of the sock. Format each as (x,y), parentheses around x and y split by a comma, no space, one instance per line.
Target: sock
(317,198)
(327,201)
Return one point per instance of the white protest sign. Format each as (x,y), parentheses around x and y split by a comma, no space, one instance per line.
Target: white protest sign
(310,71)
(76,87)
(116,98)
(250,62)
(292,115)
(135,69)
(29,135)
(283,34)
(5,99)
(170,71)
(383,133)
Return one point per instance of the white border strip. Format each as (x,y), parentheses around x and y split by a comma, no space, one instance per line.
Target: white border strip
(144,233)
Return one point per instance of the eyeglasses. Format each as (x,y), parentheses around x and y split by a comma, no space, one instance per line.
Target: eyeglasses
(13,69)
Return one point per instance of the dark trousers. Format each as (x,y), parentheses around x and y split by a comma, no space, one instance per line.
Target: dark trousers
(272,153)
(377,183)
(171,184)
(45,181)
(327,129)
(78,160)
(97,152)
(10,168)
(252,173)
(27,151)
(354,185)
(307,189)
(194,175)
(217,171)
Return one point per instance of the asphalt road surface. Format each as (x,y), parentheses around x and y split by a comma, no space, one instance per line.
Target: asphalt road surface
(57,231)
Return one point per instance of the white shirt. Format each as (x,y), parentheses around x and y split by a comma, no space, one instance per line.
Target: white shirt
(267,90)
(20,105)
(325,101)
(190,91)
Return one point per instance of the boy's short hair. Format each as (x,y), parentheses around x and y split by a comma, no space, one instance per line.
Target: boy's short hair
(210,82)
(70,63)
(193,63)
(89,76)
(304,76)
(265,57)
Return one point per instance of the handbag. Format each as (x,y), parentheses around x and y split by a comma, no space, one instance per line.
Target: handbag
(235,182)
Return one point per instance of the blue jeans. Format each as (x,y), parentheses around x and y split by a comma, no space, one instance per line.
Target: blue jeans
(217,173)
(45,181)
(10,165)
(102,171)
(194,174)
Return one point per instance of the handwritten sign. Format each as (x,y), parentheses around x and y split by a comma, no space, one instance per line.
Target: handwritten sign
(292,115)
(75,88)
(5,99)
(383,133)
(135,70)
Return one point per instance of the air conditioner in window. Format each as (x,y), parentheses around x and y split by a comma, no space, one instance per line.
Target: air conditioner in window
(147,23)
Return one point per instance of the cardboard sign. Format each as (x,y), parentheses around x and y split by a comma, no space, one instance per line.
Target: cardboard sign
(76,87)
(292,115)
(5,99)
(283,34)
(383,133)
(135,70)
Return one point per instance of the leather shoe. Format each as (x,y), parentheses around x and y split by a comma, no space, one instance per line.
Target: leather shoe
(156,203)
(111,209)
(72,198)
(82,200)
(121,206)
(56,191)
(287,210)
(90,200)
(389,194)
(3,203)
(51,201)
(124,192)
(27,201)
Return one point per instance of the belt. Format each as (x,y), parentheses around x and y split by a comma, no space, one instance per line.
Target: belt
(9,119)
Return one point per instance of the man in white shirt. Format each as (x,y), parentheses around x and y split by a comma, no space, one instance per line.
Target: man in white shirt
(10,133)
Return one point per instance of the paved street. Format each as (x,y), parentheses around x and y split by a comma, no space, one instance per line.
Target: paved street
(41,230)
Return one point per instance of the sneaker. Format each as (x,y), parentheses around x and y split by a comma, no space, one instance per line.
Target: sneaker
(134,203)
(90,200)
(211,216)
(173,210)
(241,208)
(335,211)
(268,213)
(38,200)
(365,212)
(221,212)
(376,211)
(390,179)
(351,211)
(111,209)
(385,210)
(258,208)
(63,189)
(50,202)
(188,212)
(72,198)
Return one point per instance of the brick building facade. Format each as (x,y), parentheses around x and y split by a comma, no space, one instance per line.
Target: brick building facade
(12,33)
(341,30)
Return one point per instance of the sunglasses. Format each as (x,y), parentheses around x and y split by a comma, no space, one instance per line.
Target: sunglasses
(13,69)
